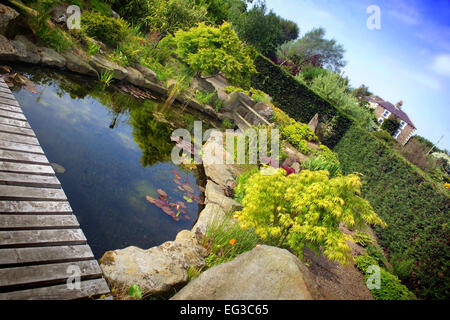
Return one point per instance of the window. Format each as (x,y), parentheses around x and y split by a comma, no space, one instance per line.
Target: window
(386,114)
(402,125)
(380,120)
(396,133)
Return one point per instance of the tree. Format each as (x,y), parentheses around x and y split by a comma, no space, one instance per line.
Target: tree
(360,93)
(209,50)
(262,29)
(305,209)
(314,49)
(290,30)
(390,125)
(220,11)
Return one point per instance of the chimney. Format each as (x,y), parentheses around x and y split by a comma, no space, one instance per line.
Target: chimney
(399,105)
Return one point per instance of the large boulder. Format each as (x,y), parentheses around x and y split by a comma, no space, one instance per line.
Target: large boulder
(156,270)
(264,273)
(201,84)
(264,109)
(314,123)
(7,14)
(216,194)
(101,64)
(7,50)
(50,57)
(31,51)
(212,214)
(78,64)
(135,77)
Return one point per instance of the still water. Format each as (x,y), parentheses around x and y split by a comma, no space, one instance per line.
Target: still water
(116,151)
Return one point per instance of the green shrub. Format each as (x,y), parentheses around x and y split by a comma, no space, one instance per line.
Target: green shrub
(299,134)
(209,50)
(385,136)
(362,239)
(415,209)
(322,163)
(106,29)
(401,266)
(390,287)
(257,95)
(297,100)
(93,48)
(390,125)
(377,253)
(239,191)
(305,209)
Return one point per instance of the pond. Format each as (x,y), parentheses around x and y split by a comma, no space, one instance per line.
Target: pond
(115,149)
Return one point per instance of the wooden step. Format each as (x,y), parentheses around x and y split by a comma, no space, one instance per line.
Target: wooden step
(23,157)
(16,123)
(41,255)
(38,238)
(34,222)
(88,289)
(12,115)
(31,193)
(10,108)
(9,101)
(17,138)
(16,130)
(18,167)
(35,207)
(14,146)
(29,180)
(47,274)
(7,95)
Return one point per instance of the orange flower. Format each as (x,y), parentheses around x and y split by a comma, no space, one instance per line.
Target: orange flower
(232,242)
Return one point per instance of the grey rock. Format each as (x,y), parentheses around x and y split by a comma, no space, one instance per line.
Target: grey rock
(135,77)
(58,168)
(202,85)
(148,74)
(7,14)
(31,50)
(235,100)
(212,214)
(216,194)
(50,57)
(77,64)
(297,167)
(155,270)
(264,273)
(7,50)
(154,87)
(59,13)
(314,123)
(101,64)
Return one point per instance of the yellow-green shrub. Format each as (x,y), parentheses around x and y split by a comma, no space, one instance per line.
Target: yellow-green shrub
(305,209)
(109,30)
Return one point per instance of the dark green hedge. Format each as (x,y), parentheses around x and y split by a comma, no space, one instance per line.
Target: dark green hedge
(416,211)
(297,100)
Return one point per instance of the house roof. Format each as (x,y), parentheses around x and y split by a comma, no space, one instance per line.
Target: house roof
(399,113)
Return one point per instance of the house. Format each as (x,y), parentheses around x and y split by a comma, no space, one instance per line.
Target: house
(385,110)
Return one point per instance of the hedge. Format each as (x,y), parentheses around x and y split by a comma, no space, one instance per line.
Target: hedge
(297,100)
(416,210)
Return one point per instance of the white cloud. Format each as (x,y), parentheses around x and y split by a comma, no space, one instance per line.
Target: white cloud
(441,64)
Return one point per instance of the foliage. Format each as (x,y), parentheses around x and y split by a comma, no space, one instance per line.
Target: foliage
(106,29)
(390,125)
(262,29)
(47,36)
(93,48)
(225,240)
(377,253)
(362,238)
(385,136)
(106,77)
(119,57)
(334,88)
(228,124)
(401,266)
(209,50)
(220,11)
(193,273)
(135,291)
(299,134)
(210,98)
(132,10)
(305,209)
(239,191)
(314,49)
(297,100)
(390,287)
(309,73)
(322,163)
(415,209)
(360,93)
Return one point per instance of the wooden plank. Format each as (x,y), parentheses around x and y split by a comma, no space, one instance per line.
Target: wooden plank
(14,146)
(47,274)
(39,255)
(3,89)
(17,130)
(36,238)
(9,101)
(16,123)
(7,95)
(12,115)
(11,137)
(35,207)
(29,180)
(28,222)
(26,168)
(10,108)
(31,193)
(88,288)
(24,157)
(3,84)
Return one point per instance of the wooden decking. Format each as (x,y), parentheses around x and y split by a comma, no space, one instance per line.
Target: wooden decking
(41,243)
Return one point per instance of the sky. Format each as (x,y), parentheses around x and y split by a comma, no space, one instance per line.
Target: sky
(407,59)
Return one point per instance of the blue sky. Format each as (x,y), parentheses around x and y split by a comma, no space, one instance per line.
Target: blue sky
(407,59)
